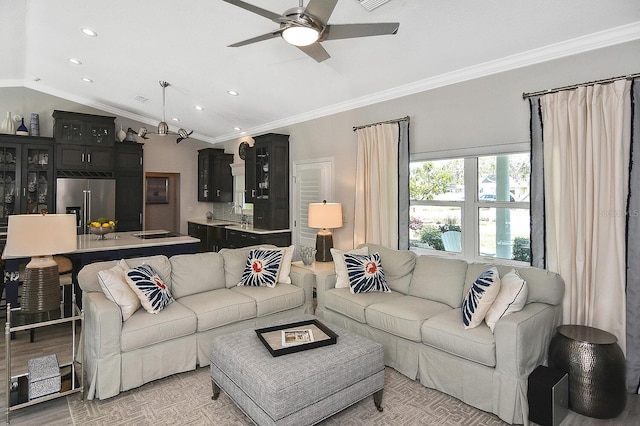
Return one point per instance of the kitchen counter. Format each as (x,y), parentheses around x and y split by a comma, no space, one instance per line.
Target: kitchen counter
(236,226)
(127,240)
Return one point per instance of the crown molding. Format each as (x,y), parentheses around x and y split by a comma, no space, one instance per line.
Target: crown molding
(606,38)
(610,37)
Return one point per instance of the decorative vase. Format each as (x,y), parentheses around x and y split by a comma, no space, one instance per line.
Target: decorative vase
(7,125)
(35,124)
(22,129)
(121,134)
(308,255)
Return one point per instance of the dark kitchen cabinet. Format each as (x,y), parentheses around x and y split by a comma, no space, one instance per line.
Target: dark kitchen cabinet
(129,186)
(237,238)
(199,231)
(84,142)
(267,181)
(26,175)
(215,182)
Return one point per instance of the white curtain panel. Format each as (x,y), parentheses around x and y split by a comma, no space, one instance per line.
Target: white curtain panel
(586,135)
(376,204)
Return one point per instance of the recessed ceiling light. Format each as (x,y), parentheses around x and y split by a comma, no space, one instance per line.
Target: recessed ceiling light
(237,128)
(89,32)
(232,92)
(175,119)
(87,80)
(199,108)
(75,61)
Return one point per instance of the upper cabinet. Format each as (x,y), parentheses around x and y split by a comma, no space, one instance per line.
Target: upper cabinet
(84,142)
(26,175)
(267,181)
(215,182)
(129,176)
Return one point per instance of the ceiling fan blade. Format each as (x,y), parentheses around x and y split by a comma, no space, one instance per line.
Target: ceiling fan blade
(321,9)
(316,51)
(263,37)
(255,9)
(336,32)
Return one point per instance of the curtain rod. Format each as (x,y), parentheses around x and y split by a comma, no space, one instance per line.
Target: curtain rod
(575,86)
(397,120)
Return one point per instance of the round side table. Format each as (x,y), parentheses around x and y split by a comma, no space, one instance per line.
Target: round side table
(596,367)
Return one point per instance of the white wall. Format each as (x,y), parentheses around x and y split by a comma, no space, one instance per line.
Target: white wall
(479,113)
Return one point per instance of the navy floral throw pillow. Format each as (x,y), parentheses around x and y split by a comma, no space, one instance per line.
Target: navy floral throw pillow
(365,273)
(261,268)
(480,297)
(153,293)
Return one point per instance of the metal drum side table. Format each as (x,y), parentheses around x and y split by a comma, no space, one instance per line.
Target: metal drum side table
(596,367)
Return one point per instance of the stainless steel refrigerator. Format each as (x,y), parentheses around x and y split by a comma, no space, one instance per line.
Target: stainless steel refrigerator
(88,199)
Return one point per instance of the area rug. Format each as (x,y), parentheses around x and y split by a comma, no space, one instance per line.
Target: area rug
(185,399)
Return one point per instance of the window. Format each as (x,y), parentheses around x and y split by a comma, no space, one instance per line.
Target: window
(474,207)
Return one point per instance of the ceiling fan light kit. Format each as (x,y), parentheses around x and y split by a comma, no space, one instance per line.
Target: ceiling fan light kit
(163,127)
(306,27)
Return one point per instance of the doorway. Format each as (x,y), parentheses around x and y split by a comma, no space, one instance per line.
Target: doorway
(162,201)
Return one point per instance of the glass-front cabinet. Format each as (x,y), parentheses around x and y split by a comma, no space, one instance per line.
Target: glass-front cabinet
(26,175)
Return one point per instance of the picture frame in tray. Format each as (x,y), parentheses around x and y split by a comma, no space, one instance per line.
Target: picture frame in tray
(272,339)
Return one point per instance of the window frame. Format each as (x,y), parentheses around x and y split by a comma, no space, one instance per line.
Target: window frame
(470,207)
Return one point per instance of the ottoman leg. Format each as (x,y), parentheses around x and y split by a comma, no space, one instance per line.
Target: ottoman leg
(377,399)
(215,389)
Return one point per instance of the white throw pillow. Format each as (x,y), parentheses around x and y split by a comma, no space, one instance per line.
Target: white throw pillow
(285,265)
(480,297)
(342,276)
(511,298)
(115,288)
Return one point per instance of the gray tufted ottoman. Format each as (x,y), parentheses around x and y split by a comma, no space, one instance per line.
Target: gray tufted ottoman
(302,388)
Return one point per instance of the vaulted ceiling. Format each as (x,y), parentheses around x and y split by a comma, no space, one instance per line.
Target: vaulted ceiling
(185,43)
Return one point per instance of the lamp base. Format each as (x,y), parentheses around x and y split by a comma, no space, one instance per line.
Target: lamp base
(41,286)
(324,244)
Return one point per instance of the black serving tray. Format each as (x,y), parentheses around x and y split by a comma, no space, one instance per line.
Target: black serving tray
(329,337)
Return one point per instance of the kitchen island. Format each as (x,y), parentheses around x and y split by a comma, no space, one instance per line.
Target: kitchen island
(117,245)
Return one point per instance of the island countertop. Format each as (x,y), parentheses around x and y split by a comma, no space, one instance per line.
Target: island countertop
(236,226)
(127,240)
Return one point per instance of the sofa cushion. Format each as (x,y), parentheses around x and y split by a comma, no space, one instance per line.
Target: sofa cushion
(146,283)
(234,262)
(196,273)
(403,316)
(342,276)
(511,298)
(365,273)
(276,299)
(341,300)
(115,288)
(447,333)
(143,329)
(439,279)
(481,295)
(398,266)
(219,307)
(88,275)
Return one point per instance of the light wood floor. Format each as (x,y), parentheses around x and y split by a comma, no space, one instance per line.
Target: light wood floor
(56,339)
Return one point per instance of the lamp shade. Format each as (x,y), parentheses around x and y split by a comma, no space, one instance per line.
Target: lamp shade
(40,235)
(325,215)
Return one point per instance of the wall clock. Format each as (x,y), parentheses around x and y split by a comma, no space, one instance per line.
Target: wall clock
(242,149)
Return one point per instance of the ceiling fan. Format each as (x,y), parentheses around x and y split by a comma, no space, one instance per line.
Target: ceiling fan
(306,27)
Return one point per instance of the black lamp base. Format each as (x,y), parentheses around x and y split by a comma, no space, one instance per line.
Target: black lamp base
(324,244)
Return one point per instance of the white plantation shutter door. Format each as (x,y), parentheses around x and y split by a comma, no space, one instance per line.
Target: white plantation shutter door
(312,185)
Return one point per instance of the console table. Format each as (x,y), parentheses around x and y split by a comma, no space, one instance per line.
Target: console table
(119,245)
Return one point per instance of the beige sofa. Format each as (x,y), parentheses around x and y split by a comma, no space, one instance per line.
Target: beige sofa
(420,325)
(121,355)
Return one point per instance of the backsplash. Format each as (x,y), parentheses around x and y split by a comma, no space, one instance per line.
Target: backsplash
(225,211)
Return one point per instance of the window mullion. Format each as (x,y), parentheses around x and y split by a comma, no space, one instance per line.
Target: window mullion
(469,210)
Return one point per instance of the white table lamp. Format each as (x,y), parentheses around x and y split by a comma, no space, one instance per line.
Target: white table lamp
(40,236)
(324,216)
